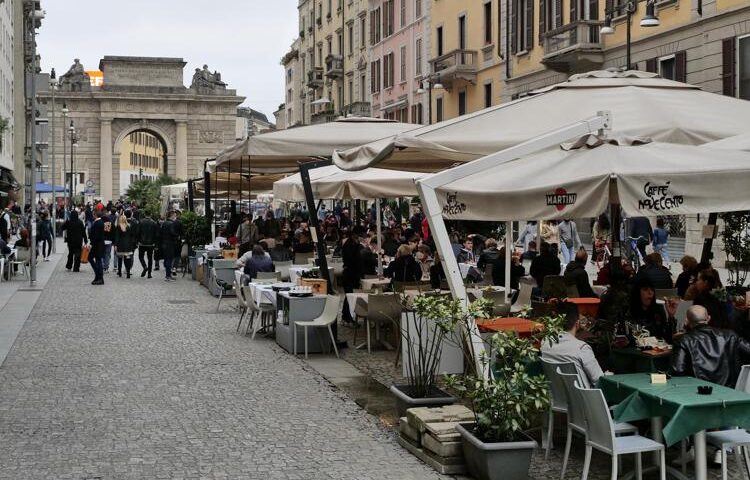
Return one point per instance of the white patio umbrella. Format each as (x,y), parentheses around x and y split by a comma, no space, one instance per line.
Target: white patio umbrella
(738,142)
(281,151)
(641,104)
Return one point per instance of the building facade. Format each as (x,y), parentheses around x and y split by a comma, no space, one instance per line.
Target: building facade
(17,131)
(256,122)
(399,51)
(289,113)
(141,158)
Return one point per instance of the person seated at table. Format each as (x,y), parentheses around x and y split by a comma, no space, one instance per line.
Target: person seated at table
(655,271)
(259,261)
(516,270)
(369,257)
(686,278)
(488,255)
(531,252)
(466,254)
(4,248)
(404,267)
(645,311)
(708,353)
(424,259)
(570,349)
(242,260)
(280,252)
(304,245)
(391,243)
(437,274)
(23,239)
(547,263)
(704,292)
(575,274)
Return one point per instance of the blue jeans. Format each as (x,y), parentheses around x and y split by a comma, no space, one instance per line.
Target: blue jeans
(661,249)
(96,266)
(107,255)
(568,253)
(168,267)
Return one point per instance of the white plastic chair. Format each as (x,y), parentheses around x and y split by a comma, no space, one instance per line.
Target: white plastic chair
(241,302)
(22,259)
(559,400)
(224,287)
(577,416)
(736,438)
(325,320)
(600,435)
(265,311)
(524,297)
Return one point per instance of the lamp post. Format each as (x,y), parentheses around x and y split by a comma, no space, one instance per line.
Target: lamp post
(53,87)
(65,112)
(649,20)
(428,84)
(73,145)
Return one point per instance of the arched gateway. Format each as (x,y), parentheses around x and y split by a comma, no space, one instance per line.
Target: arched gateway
(141,94)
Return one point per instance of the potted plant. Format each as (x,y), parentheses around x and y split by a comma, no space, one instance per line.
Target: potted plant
(197,233)
(434,321)
(505,405)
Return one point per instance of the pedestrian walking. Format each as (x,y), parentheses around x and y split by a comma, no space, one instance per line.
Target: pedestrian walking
(661,237)
(570,242)
(124,244)
(44,235)
(109,220)
(75,237)
(96,257)
(148,233)
(167,242)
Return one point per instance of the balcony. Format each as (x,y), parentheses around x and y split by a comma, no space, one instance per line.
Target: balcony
(575,47)
(334,66)
(456,65)
(323,117)
(358,109)
(315,77)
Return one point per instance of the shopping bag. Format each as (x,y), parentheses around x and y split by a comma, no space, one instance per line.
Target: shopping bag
(85,254)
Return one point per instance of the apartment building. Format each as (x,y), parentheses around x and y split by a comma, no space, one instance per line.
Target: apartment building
(466,56)
(141,157)
(290,112)
(332,59)
(399,53)
(702,42)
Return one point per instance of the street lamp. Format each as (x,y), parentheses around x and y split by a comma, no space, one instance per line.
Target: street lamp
(72,133)
(65,112)
(53,87)
(649,20)
(429,84)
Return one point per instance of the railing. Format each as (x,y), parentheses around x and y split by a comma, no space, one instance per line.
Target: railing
(583,34)
(457,60)
(334,66)
(323,117)
(358,109)
(315,77)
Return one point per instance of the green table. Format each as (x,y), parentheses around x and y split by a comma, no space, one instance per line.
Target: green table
(679,404)
(631,359)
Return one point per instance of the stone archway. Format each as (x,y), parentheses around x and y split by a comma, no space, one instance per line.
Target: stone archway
(163,130)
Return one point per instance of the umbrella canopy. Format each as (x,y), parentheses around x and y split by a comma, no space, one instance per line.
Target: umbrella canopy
(641,103)
(43,187)
(281,151)
(738,142)
(332,182)
(579,180)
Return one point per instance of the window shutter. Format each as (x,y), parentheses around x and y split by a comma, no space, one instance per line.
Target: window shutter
(558,13)
(728,66)
(593,10)
(513,20)
(529,24)
(651,65)
(573,10)
(542,18)
(680,66)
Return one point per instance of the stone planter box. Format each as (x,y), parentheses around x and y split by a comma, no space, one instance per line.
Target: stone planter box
(496,461)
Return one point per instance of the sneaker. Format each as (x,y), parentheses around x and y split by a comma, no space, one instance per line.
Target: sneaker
(46,259)
(143,273)
(149,276)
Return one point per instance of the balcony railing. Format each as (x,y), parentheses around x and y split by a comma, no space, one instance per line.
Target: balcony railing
(323,117)
(574,47)
(456,65)
(358,109)
(315,77)
(334,66)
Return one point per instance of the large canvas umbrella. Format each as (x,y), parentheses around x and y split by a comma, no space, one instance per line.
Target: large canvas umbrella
(641,103)
(281,151)
(332,182)
(738,142)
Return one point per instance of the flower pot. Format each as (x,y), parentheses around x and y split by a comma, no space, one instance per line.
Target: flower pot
(404,401)
(495,461)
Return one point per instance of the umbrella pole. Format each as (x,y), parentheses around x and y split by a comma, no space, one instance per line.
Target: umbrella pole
(708,242)
(191,196)
(378,216)
(508,260)
(304,172)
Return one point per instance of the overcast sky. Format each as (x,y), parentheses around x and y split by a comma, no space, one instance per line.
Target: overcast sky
(242,39)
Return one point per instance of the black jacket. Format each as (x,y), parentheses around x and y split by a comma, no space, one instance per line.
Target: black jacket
(97,237)
(369,262)
(75,235)
(125,241)
(682,283)
(658,276)
(404,269)
(710,354)
(488,256)
(575,274)
(543,265)
(167,239)
(498,273)
(148,233)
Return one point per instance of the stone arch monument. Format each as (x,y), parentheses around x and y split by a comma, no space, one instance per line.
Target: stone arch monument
(142,94)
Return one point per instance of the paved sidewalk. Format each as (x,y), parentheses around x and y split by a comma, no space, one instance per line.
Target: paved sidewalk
(141,379)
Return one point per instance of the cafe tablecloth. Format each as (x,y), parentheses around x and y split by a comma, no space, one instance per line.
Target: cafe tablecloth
(685,411)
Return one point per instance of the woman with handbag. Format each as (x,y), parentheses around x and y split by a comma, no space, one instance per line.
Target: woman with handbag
(124,244)
(76,238)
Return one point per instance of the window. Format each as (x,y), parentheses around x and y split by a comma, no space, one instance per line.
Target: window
(375,76)
(743,67)
(362,88)
(341,43)
(403,63)
(403,13)
(351,91)
(462,32)
(488,23)
(388,70)
(351,40)
(418,57)
(375,26)
(522,29)
(487,95)
(667,67)
(330,8)
(329,46)
(439,109)
(388,18)
(462,103)
(439,36)
(417,10)
(362,32)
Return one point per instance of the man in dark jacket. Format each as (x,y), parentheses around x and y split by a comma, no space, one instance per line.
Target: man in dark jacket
(516,271)
(167,241)
(96,257)
(654,271)
(109,220)
(575,274)
(546,263)
(351,254)
(706,352)
(640,228)
(75,237)
(148,234)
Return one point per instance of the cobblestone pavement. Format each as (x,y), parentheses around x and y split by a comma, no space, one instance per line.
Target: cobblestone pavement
(141,379)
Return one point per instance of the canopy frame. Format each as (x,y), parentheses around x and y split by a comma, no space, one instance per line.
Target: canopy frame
(600,123)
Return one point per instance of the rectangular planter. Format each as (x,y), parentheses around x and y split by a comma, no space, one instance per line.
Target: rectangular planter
(496,461)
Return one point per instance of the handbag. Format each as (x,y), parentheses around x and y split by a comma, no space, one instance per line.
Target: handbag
(85,254)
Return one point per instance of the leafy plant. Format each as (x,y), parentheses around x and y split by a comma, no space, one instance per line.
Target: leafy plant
(736,239)
(435,320)
(507,404)
(196,228)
